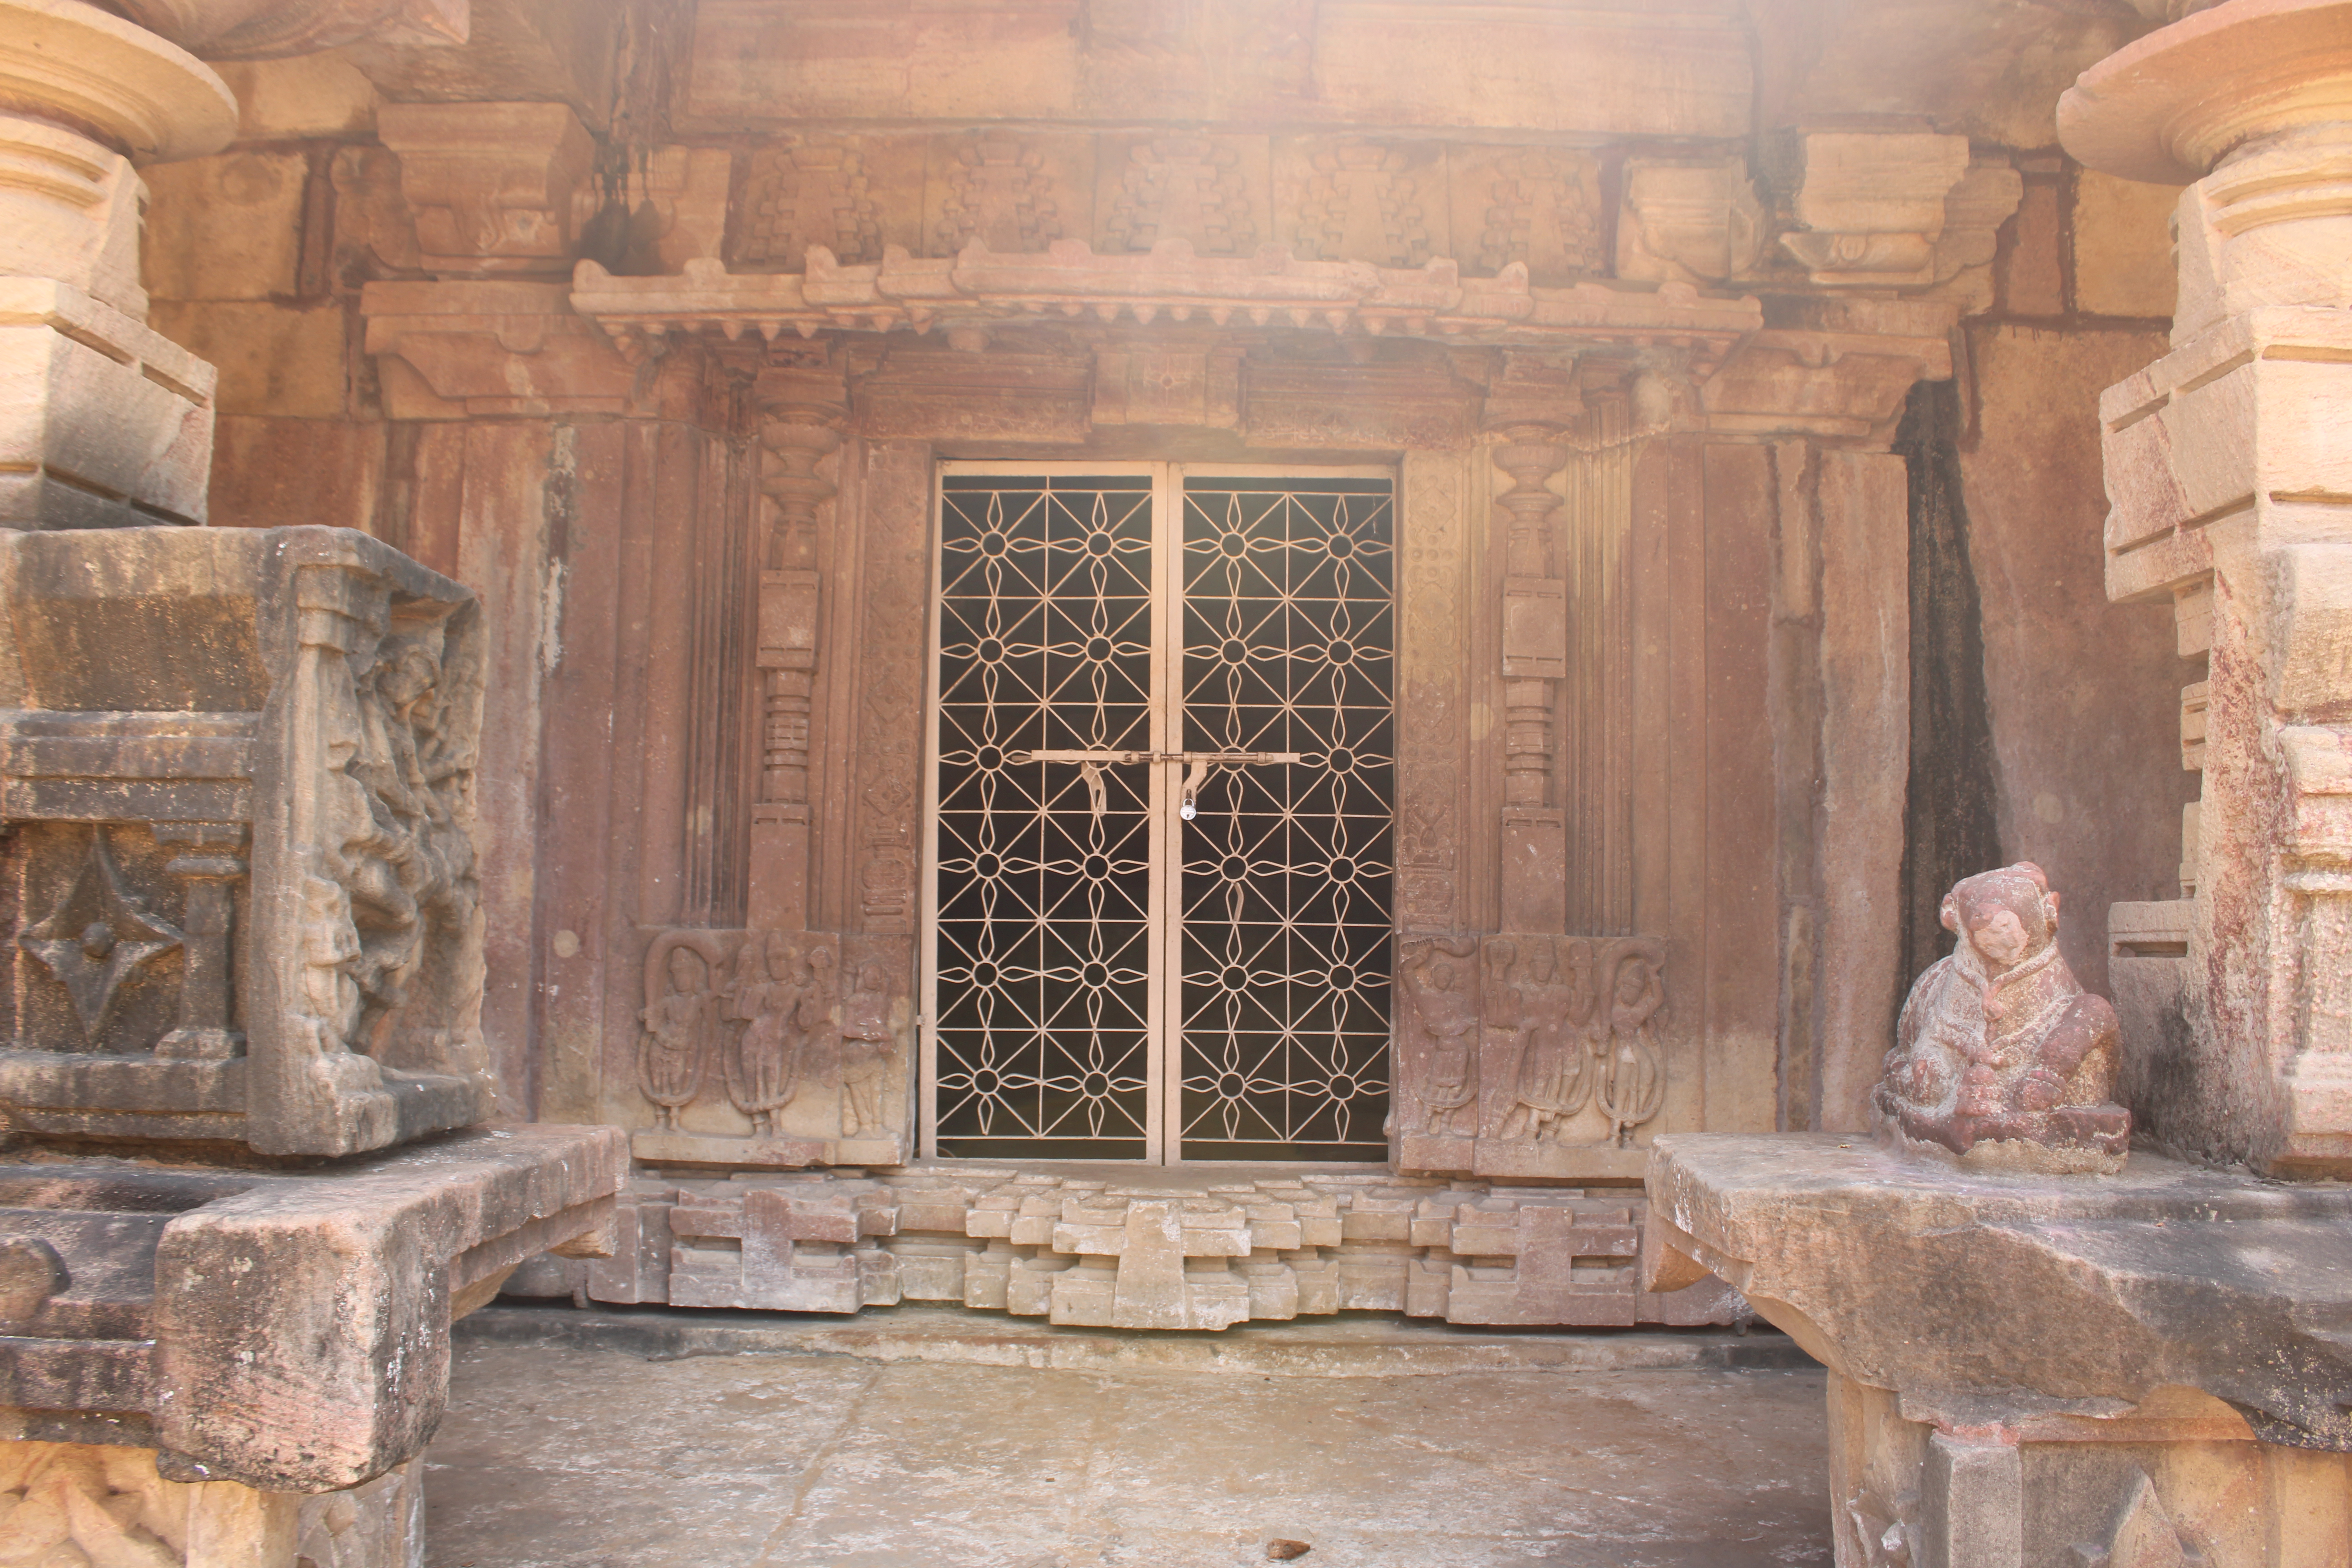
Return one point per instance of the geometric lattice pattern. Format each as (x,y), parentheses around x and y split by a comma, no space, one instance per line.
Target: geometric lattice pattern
(1289,639)
(1056,934)
(1043,936)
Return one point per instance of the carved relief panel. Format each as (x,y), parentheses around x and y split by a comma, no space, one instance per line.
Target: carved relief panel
(1011,192)
(1535,206)
(782,1049)
(1529,1054)
(246,890)
(851,195)
(1210,191)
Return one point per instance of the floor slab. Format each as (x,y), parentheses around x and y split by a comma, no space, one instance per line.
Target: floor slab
(665,1440)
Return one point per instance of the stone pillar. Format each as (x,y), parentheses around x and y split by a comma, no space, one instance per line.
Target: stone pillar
(2228,476)
(801,414)
(103,422)
(1816,405)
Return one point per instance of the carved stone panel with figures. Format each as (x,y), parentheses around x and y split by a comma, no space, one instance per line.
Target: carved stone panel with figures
(249,903)
(773,1048)
(1529,1056)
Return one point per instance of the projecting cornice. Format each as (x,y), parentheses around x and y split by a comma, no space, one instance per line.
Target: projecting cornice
(978,289)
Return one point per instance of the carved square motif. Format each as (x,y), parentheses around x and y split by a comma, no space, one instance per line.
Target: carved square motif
(1015,192)
(1535,629)
(1346,199)
(1540,206)
(1210,190)
(852,195)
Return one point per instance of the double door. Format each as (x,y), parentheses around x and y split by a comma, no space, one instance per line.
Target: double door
(1158,877)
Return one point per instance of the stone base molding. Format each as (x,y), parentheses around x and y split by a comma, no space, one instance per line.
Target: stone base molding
(1127,1248)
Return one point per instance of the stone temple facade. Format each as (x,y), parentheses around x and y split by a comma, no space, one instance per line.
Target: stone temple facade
(1158,663)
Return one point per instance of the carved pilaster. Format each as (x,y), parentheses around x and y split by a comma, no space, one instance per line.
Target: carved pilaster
(211,862)
(1432,749)
(1535,660)
(801,418)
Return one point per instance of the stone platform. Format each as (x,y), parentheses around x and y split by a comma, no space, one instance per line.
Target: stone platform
(2149,1369)
(922,1436)
(1141,1247)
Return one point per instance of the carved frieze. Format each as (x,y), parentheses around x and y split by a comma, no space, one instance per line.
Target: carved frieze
(773,1048)
(984,289)
(889,713)
(847,196)
(1433,698)
(1009,191)
(1528,1055)
(1537,207)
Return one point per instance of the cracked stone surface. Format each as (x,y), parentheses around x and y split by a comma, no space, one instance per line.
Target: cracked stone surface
(566,1456)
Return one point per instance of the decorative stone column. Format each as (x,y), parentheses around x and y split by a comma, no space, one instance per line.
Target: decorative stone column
(2230,479)
(801,413)
(1531,412)
(102,421)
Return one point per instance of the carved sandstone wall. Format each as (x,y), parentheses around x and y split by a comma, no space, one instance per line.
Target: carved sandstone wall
(385,286)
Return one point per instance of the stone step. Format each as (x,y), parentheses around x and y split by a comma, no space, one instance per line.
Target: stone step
(1352,1346)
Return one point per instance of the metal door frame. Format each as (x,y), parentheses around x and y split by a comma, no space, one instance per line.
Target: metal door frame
(1163,903)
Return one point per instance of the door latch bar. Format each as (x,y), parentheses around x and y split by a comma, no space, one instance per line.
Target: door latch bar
(1198,765)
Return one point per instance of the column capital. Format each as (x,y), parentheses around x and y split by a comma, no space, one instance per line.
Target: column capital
(2170,107)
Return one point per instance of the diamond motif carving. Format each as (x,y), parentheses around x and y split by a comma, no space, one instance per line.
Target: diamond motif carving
(97,936)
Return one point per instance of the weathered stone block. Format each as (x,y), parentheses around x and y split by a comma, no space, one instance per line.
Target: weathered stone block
(272,359)
(225,227)
(103,422)
(172,695)
(2123,245)
(74,1503)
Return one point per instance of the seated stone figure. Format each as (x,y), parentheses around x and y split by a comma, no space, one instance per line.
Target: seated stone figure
(2001,1060)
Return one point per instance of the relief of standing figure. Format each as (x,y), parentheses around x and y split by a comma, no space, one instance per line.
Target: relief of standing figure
(1451,1022)
(1633,1080)
(1551,1009)
(784,1002)
(866,1047)
(671,1056)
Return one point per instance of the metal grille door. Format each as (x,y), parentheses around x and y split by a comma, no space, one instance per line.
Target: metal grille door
(1289,637)
(1157,905)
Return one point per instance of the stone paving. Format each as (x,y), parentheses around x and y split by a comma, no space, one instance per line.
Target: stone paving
(921,1442)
